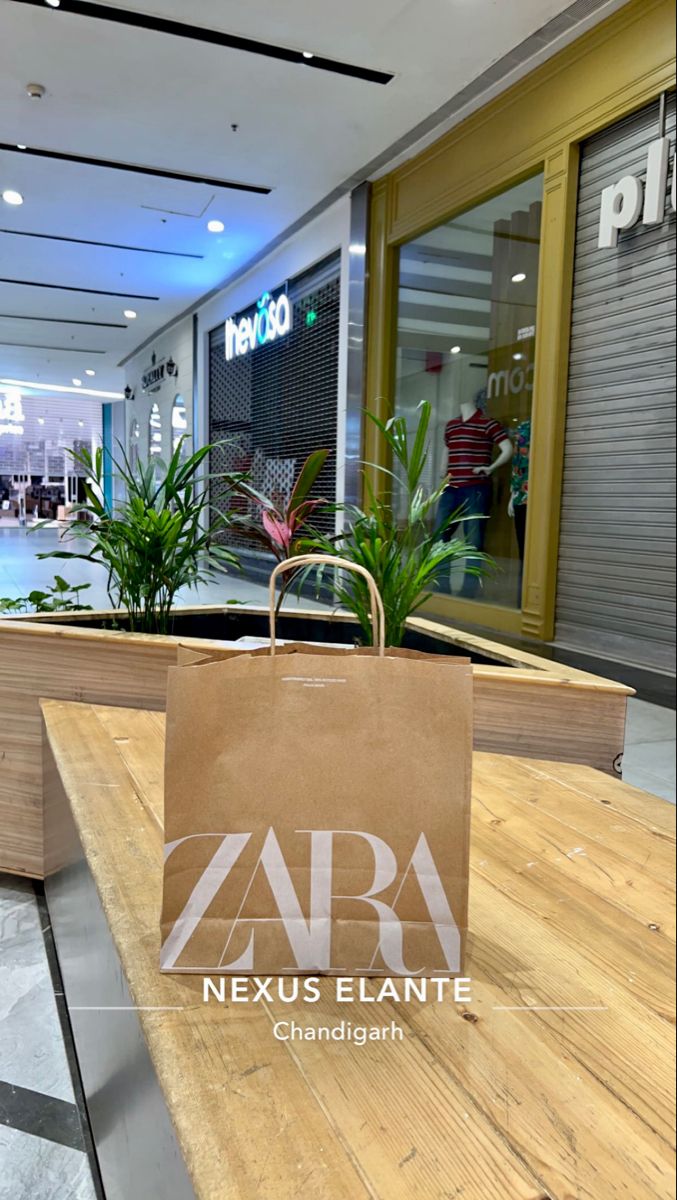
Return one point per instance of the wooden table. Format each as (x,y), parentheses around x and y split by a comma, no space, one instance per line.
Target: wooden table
(555,1083)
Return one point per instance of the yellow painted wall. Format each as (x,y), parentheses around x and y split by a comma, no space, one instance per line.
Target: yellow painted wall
(621,65)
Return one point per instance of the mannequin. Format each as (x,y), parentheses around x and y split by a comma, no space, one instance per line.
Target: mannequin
(519,488)
(471,440)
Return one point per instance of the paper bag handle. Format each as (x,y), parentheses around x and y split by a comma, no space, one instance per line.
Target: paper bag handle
(378,616)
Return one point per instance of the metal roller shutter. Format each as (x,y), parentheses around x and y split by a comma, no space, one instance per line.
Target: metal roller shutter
(269,410)
(616,582)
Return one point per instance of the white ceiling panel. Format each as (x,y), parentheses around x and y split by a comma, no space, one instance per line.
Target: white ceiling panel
(145,97)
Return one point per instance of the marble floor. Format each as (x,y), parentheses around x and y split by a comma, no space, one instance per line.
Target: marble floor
(45,1145)
(21,571)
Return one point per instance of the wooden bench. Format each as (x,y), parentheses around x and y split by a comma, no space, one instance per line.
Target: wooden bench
(554,1082)
(524,704)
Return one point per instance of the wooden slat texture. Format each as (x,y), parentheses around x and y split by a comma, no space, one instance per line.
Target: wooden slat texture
(39,661)
(555,1082)
(576,721)
(529,706)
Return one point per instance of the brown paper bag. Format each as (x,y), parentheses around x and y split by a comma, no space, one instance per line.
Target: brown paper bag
(317,811)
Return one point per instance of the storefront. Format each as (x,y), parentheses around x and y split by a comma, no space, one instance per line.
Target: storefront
(39,437)
(273,368)
(479,248)
(159,394)
(616,577)
(273,384)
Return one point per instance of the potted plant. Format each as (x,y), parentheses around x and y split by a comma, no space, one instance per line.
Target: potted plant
(159,539)
(406,554)
(162,537)
(279,524)
(59,597)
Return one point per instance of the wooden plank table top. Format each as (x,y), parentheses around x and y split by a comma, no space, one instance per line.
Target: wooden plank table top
(554,1083)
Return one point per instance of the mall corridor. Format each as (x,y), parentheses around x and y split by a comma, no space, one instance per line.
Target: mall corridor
(337,599)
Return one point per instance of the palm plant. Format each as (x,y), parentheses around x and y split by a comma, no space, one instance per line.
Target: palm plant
(159,539)
(406,557)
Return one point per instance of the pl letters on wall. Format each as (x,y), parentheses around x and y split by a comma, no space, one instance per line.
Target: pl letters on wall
(626,201)
(272,320)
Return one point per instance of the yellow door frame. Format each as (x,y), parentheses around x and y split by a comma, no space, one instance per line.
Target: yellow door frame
(537,125)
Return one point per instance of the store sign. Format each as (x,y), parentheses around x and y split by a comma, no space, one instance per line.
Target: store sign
(11,413)
(626,201)
(511,383)
(309,931)
(153,379)
(271,321)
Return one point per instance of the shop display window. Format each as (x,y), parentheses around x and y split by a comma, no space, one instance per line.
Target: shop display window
(134,438)
(466,340)
(155,431)
(179,425)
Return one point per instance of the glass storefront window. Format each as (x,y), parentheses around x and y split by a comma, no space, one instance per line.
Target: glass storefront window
(134,438)
(155,431)
(179,425)
(466,338)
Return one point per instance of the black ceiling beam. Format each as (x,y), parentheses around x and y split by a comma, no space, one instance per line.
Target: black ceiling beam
(66,287)
(214,37)
(59,349)
(59,237)
(62,321)
(112,164)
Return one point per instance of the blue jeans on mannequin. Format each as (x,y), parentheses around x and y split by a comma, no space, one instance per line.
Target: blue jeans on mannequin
(474,499)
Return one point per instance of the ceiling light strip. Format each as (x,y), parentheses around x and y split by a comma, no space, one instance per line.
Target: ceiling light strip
(59,237)
(66,287)
(136,168)
(27,386)
(214,37)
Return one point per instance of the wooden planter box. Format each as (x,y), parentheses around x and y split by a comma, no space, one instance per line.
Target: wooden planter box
(524,705)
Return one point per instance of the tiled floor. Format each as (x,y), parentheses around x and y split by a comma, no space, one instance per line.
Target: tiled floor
(43,1138)
(649,759)
(21,572)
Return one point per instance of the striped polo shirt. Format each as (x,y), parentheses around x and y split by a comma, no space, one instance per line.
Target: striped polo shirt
(471,444)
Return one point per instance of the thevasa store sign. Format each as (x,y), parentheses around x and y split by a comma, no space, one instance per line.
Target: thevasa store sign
(623,203)
(271,321)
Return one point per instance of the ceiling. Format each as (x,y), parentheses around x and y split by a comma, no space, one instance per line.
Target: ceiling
(169,102)
(456,282)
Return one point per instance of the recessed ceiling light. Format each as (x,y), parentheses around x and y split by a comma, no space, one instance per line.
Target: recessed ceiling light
(90,372)
(129,314)
(20,146)
(519,277)
(215,226)
(81,424)
(41,420)
(53,3)
(77,383)
(12,197)
(308,54)
(518,357)
(455,349)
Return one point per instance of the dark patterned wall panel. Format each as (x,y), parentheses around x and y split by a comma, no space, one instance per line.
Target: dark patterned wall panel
(276,405)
